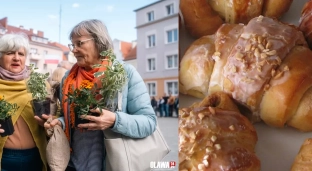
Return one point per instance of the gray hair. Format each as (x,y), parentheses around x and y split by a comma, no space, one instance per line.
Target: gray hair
(13,42)
(97,30)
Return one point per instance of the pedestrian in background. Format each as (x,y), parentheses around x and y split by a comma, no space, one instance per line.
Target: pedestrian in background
(171,104)
(176,105)
(154,104)
(166,105)
(161,106)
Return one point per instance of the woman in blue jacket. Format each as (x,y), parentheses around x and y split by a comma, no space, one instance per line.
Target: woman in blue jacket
(137,118)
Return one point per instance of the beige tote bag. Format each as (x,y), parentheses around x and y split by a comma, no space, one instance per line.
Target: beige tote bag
(131,154)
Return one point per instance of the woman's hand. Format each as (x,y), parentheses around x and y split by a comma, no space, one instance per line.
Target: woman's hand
(105,120)
(42,120)
(48,121)
(1,130)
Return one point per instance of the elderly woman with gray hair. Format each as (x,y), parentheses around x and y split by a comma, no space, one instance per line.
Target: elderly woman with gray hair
(25,149)
(137,118)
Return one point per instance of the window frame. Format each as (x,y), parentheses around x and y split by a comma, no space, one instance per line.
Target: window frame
(147,64)
(167,89)
(174,55)
(171,7)
(148,90)
(150,16)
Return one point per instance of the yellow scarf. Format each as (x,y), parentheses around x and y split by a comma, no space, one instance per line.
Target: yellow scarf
(16,92)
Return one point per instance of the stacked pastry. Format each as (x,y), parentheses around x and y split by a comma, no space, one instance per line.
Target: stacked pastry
(264,65)
(204,17)
(214,136)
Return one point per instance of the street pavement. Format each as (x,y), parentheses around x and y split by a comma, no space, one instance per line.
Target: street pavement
(169,128)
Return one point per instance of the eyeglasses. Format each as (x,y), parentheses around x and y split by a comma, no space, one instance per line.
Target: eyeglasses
(78,44)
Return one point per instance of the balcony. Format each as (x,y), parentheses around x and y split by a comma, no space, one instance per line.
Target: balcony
(35,56)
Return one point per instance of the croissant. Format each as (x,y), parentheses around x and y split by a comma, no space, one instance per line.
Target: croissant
(264,65)
(305,24)
(303,160)
(204,17)
(216,138)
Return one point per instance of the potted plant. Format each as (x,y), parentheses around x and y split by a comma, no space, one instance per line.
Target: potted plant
(37,86)
(6,111)
(112,81)
(81,100)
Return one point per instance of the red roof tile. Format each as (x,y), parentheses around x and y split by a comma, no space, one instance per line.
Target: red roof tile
(131,55)
(125,48)
(63,47)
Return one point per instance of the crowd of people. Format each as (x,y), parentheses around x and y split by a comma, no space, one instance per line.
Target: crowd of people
(166,105)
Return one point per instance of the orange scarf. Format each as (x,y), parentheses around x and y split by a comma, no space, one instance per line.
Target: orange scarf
(75,77)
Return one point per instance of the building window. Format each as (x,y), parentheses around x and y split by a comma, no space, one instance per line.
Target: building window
(151,64)
(169,9)
(45,52)
(172,61)
(172,87)
(151,40)
(151,88)
(33,50)
(172,36)
(150,16)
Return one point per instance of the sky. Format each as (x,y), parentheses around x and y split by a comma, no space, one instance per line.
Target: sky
(44,15)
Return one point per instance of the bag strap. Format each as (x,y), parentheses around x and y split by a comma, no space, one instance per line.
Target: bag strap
(119,102)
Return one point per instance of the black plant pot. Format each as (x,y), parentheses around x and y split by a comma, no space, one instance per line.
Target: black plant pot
(79,120)
(41,107)
(7,125)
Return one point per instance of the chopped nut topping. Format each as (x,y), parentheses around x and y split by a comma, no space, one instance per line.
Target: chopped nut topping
(260,18)
(266,50)
(232,127)
(263,55)
(209,149)
(234,69)
(259,68)
(206,163)
(206,157)
(261,63)
(192,113)
(279,61)
(192,135)
(258,77)
(253,48)
(239,56)
(197,132)
(217,53)
(272,52)
(213,138)
(257,53)
(279,75)
(273,72)
(268,45)
(201,116)
(217,146)
(248,47)
(261,47)
(260,39)
(286,68)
